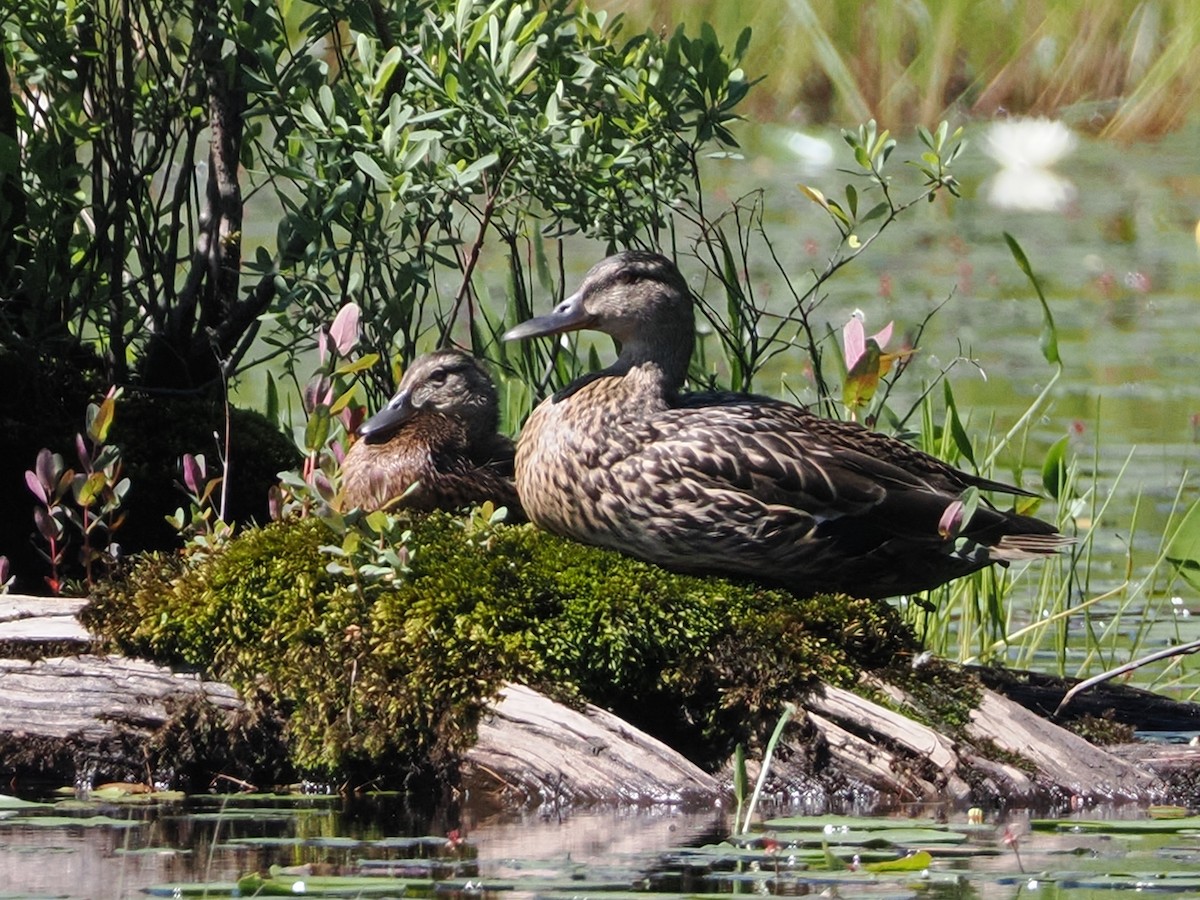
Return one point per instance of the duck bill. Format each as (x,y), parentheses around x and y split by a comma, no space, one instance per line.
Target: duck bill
(570,315)
(388,420)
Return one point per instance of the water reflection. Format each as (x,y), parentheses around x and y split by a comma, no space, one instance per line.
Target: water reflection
(206,840)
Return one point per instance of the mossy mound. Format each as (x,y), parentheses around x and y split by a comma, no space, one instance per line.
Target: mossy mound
(380,680)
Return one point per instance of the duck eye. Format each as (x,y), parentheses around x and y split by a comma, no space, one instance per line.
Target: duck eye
(438,376)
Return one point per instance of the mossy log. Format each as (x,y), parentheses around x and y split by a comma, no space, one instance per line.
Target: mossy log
(90,718)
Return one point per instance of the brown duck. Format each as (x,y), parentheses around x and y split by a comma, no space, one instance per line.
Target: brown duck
(738,484)
(434,446)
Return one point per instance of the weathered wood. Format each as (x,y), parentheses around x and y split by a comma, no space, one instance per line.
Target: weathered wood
(111,718)
(1063,760)
(531,749)
(854,751)
(34,627)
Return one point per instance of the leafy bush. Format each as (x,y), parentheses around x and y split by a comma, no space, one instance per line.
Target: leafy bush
(381,679)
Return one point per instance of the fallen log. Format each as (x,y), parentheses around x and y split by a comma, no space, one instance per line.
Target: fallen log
(84,718)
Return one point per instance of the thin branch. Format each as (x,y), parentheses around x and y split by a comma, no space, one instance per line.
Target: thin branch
(1178,650)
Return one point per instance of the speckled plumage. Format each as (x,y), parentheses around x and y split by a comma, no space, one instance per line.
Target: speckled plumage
(434,446)
(737,484)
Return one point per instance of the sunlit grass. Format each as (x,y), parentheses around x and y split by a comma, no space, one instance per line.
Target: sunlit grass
(1124,68)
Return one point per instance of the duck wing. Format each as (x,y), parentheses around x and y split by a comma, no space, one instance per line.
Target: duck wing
(768,490)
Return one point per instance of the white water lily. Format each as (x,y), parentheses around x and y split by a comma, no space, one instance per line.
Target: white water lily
(1025,150)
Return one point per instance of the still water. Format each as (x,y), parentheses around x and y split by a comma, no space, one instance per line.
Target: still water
(378,848)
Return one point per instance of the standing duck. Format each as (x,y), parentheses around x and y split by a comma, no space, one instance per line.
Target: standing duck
(434,446)
(737,484)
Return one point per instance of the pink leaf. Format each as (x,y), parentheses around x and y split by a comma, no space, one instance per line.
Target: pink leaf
(39,491)
(883,335)
(193,472)
(952,520)
(47,468)
(854,340)
(85,458)
(318,392)
(275,503)
(351,417)
(344,330)
(324,487)
(48,526)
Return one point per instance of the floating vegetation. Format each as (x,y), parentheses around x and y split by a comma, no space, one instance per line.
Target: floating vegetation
(335,848)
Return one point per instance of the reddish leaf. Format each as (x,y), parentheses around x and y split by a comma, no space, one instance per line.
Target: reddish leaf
(952,520)
(48,466)
(344,330)
(193,472)
(36,487)
(854,341)
(47,525)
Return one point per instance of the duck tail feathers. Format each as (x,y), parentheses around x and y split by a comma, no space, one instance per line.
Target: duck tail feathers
(1013,547)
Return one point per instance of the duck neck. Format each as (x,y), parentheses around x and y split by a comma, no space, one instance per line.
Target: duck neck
(654,373)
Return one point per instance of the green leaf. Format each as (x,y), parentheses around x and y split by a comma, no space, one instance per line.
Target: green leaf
(1184,550)
(961,440)
(1054,468)
(914,862)
(1049,336)
(371,169)
(358,365)
(316,431)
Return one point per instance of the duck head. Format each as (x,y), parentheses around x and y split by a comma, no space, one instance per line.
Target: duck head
(638,298)
(448,382)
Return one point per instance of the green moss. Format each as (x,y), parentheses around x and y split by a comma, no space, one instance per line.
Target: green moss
(380,680)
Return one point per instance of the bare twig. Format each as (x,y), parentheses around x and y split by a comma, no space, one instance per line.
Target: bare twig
(1179,650)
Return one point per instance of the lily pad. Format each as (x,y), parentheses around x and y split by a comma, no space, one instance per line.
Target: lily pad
(1119,826)
(72,822)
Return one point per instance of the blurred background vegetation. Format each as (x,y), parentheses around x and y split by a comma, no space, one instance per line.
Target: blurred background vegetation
(1121,68)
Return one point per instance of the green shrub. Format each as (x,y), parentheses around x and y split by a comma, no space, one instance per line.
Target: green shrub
(381,680)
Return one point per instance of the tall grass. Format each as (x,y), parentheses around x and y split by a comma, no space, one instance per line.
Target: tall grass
(1125,68)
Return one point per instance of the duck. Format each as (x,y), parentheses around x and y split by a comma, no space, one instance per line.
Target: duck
(734,484)
(435,444)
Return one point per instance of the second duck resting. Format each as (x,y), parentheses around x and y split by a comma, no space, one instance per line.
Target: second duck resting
(738,484)
(434,445)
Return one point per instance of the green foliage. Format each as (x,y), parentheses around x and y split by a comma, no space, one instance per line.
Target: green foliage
(752,331)
(382,677)
(384,147)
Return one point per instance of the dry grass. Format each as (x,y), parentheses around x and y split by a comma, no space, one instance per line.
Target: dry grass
(1123,68)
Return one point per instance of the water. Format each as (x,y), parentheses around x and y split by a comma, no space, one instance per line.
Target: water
(202,846)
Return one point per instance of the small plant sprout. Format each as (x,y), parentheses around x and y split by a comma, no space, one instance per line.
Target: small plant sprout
(89,501)
(333,414)
(203,525)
